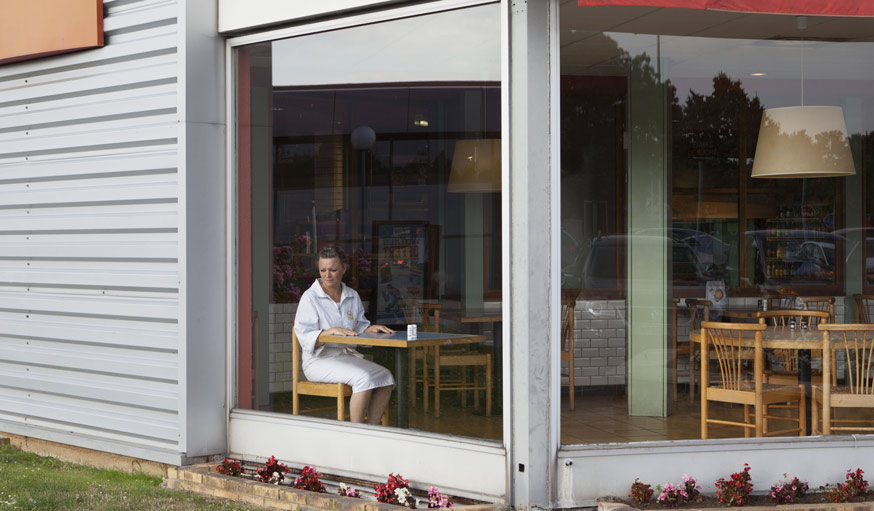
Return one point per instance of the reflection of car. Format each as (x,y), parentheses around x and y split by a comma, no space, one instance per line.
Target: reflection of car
(797,254)
(605,262)
(711,252)
(853,247)
(818,260)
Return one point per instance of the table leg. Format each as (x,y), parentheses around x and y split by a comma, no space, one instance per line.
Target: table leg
(402,386)
(804,379)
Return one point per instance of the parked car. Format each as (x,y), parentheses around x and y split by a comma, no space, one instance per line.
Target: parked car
(605,262)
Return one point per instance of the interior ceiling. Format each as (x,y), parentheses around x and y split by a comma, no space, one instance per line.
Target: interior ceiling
(586,50)
(707,23)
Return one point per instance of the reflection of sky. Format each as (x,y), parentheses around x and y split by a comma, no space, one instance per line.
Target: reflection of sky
(835,74)
(460,45)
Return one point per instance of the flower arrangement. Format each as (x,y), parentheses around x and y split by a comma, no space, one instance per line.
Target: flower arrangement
(674,495)
(348,491)
(786,492)
(436,499)
(856,483)
(230,467)
(309,480)
(395,491)
(737,489)
(291,273)
(273,471)
(640,493)
(854,486)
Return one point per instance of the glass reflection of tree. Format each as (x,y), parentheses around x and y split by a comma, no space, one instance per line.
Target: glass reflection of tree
(720,127)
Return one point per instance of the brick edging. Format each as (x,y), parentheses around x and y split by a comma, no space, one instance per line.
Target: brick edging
(203,479)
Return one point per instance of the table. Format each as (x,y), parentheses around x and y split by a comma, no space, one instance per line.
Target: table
(399,342)
(477,316)
(782,337)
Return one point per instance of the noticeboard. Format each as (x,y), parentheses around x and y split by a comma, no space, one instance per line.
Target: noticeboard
(406,256)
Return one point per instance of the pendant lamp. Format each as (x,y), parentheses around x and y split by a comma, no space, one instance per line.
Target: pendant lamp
(803,141)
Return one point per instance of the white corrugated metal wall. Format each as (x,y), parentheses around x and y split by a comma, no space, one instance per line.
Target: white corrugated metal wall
(93,238)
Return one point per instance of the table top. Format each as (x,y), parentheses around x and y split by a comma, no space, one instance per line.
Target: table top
(780,337)
(399,339)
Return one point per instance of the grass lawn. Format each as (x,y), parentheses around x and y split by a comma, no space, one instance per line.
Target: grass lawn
(31,482)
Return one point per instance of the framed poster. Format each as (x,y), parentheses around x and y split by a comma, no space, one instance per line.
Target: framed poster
(406,266)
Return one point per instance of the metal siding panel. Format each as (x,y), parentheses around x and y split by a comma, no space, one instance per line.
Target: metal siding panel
(89,236)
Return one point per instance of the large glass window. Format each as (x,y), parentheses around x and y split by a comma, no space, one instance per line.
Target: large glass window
(384,142)
(660,116)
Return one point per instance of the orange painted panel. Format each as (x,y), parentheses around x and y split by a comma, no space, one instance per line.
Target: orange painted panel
(31,29)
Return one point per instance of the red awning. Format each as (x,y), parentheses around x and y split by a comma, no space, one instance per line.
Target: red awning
(796,7)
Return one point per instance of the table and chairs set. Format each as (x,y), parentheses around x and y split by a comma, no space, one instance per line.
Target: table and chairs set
(431,360)
(763,361)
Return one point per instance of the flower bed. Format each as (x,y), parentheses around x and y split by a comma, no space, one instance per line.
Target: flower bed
(205,480)
(737,491)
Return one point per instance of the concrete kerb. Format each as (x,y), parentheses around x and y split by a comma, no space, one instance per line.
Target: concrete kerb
(203,479)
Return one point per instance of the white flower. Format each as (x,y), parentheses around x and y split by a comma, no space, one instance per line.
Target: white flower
(402,494)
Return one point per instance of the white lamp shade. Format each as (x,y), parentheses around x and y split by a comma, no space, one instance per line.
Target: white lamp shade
(476,166)
(803,141)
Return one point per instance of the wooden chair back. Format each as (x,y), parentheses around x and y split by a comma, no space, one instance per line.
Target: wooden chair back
(856,342)
(730,346)
(785,317)
(864,305)
(822,304)
(430,316)
(301,386)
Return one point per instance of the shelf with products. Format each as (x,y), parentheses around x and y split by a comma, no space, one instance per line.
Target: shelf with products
(798,245)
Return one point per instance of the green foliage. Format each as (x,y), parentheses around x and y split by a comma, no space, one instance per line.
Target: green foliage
(35,483)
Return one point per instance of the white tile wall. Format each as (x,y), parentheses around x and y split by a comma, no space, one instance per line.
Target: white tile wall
(281,317)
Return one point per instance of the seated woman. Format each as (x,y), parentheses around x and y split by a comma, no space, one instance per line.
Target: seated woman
(330,307)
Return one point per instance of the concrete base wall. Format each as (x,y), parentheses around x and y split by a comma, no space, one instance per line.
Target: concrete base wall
(82,456)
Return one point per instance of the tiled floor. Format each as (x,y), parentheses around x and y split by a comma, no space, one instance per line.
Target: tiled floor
(597,418)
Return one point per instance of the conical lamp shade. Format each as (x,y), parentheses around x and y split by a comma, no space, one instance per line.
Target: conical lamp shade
(476,166)
(803,141)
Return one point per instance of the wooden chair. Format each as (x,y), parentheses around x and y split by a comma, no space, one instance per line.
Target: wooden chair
(567,346)
(301,386)
(460,357)
(785,299)
(430,323)
(856,342)
(864,308)
(699,310)
(731,344)
(822,304)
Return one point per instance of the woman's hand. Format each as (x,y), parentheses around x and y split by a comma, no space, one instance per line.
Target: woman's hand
(339,331)
(372,329)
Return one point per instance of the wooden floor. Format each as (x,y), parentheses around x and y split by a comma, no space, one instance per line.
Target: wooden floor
(597,418)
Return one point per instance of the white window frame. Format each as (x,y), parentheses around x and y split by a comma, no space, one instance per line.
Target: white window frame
(474,468)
